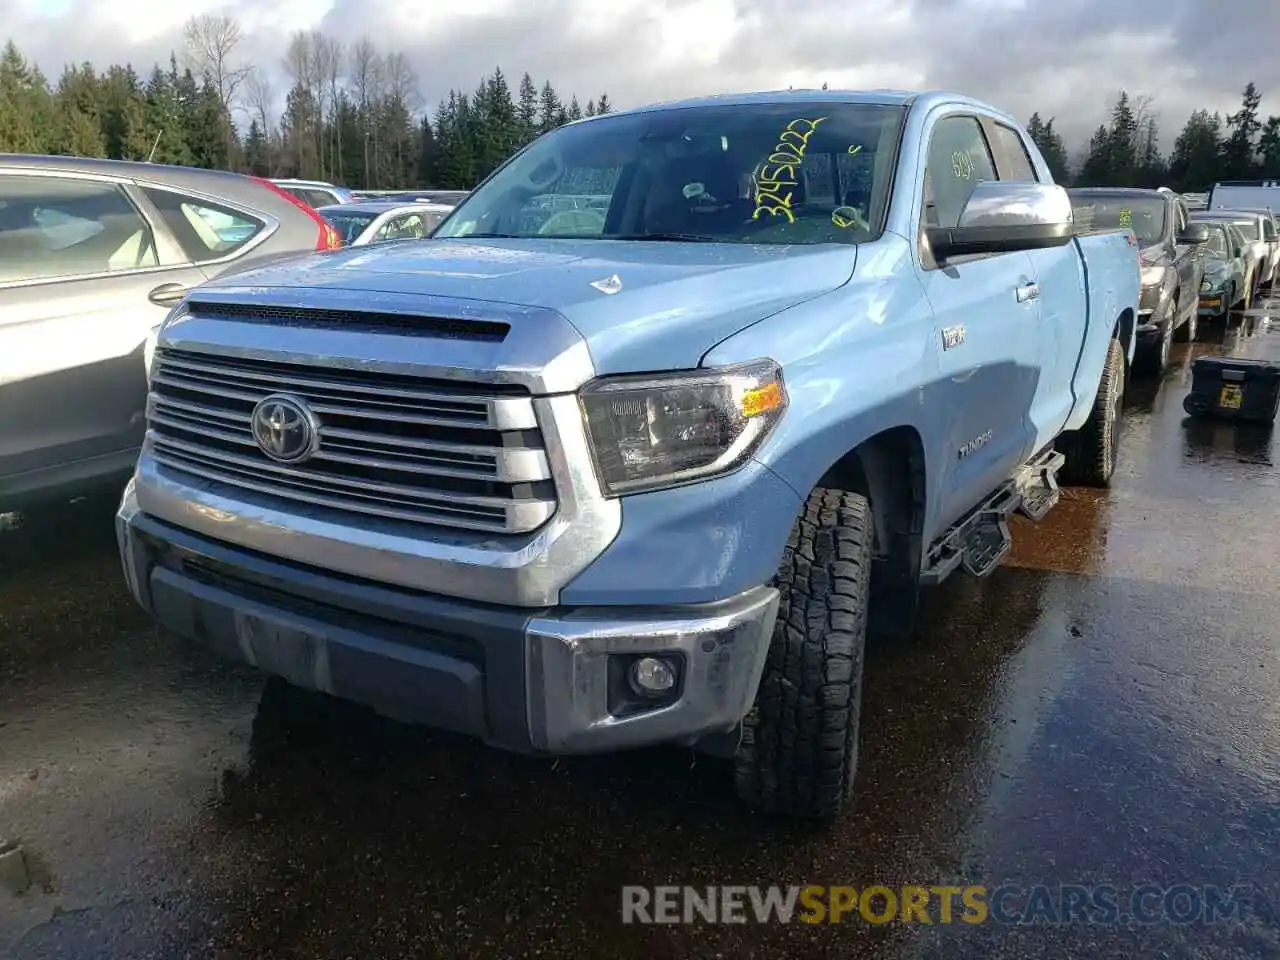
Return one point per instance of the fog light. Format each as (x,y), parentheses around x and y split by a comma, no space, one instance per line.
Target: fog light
(650,676)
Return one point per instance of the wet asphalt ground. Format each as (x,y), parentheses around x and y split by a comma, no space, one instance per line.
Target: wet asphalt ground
(1103,710)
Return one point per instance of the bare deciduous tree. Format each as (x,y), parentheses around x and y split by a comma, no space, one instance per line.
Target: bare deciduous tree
(299,63)
(210,50)
(259,101)
(326,67)
(401,81)
(211,41)
(365,73)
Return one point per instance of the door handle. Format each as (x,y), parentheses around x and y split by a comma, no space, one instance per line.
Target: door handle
(167,294)
(1027,291)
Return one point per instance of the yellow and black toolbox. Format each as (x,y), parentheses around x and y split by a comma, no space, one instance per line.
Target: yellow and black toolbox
(1234,388)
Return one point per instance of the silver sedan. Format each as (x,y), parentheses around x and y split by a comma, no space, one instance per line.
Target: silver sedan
(375,222)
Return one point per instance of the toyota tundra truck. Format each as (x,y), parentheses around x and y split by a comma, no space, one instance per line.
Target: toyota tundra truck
(673,409)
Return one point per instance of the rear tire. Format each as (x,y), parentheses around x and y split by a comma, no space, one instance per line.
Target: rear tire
(1091,450)
(799,748)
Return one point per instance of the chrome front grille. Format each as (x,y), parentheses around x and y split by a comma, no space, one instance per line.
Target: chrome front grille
(390,446)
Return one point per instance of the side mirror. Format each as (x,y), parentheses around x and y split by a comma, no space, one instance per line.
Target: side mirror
(1003,216)
(1195,233)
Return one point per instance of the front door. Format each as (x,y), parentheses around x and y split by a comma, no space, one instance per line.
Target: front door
(986,309)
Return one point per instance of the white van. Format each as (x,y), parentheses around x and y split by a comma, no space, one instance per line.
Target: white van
(1246,195)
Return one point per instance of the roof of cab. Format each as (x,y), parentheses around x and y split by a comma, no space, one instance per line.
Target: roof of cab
(926,99)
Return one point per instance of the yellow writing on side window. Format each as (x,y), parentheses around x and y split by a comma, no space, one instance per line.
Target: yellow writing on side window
(775,178)
(1126,217)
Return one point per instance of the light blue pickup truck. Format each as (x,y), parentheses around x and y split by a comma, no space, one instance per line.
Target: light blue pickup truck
(589,476)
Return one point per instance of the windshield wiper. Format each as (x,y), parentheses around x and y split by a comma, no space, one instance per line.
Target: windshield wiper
(666,237)
(485,236)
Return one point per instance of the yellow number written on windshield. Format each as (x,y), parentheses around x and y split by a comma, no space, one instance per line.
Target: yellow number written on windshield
(776,178)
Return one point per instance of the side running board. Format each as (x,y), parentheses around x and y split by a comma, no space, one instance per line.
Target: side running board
(979,541)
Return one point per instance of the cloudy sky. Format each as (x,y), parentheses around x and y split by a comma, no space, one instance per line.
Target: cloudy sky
(1065,58)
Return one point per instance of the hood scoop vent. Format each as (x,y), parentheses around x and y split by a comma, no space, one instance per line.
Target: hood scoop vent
(366,321)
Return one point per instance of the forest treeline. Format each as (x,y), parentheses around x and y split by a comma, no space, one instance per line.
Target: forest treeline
(354,114)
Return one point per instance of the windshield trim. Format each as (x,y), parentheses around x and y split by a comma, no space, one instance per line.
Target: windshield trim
(878,228)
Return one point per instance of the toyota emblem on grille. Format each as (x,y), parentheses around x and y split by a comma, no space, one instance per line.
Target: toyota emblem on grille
(284,428)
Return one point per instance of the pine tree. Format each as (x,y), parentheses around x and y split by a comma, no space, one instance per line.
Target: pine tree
(550,109)
(1050,145)
(1095,170)
(1269,149)
(1122,145)
(256,150)
(1239,149)
(1151,168)
(527,109)
(1196,159)
(428,154)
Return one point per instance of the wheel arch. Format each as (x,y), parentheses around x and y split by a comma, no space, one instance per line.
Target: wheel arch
(889,469)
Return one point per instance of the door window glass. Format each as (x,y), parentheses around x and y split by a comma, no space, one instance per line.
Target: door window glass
(54,227)
(958,159)
(1016,157)
(204,230)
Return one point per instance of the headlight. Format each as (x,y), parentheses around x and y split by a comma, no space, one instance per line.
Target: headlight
(663,430)
(1152,276)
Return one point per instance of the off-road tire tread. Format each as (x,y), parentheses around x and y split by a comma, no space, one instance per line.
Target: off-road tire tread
(799,747)
(1090,450)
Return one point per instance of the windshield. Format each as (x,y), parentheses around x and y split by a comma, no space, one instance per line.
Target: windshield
(349,223)
(1144,215)
(782,173)
(1248,229)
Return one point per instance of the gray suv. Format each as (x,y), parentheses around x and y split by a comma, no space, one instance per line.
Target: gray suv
(93,254)
(1172,260)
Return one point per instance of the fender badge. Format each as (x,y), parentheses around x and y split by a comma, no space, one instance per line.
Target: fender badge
(608,284)
(952,337)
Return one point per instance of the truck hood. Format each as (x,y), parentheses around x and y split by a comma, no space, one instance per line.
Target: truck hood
(639,305)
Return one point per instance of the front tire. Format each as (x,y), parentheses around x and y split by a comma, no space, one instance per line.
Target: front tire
(1091,450)
(799,748)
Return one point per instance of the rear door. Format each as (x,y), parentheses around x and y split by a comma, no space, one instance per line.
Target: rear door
(986,311)
(210,235)
(79,263)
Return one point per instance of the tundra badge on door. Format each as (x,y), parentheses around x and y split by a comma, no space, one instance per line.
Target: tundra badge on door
(952,337)
(976,444)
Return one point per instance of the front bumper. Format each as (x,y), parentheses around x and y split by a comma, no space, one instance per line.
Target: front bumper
(1154,308)
(547,680)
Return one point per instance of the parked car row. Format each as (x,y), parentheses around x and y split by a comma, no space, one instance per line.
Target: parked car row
(1196,263)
